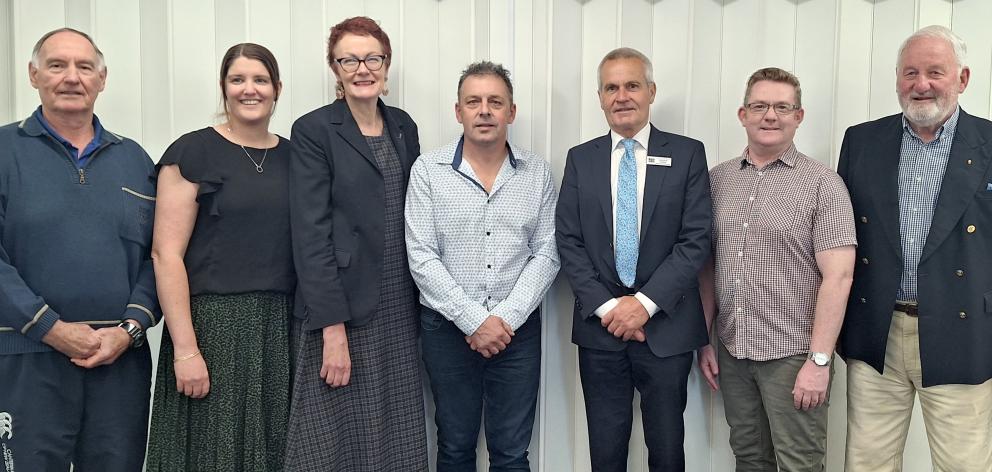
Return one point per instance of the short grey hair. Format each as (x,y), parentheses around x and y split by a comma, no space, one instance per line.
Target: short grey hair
(35,53)
(938,32)
(625,53)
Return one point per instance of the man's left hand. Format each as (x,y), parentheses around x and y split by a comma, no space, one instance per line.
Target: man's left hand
(113,342)
(625,319)
(811,386)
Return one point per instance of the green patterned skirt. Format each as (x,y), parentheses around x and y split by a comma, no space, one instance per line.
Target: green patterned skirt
(241,424)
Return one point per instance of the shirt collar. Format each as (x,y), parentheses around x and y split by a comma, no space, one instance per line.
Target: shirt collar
(788,157)
(947,129)
(641,137)
(456,162)
(97,130)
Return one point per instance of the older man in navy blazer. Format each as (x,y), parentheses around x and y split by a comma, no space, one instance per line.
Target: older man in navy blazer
(919,319)
(633,230)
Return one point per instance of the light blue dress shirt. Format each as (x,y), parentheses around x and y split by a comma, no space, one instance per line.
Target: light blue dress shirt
(475,253)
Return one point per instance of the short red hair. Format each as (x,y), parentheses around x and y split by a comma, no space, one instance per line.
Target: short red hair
(361,26)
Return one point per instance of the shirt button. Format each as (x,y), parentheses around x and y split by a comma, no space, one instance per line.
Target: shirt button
(740,310)
(959,273)
(740,253)
(489,266)
(864,260)
(761,174)
(737,281)
(745,225)
(864,219)
(863,300)
(487,233)
(750,199)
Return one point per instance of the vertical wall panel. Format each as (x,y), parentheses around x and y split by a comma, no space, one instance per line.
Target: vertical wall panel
(268,23)
(814,65)
(422,28)
(154,79)
(7,69)
(78,14)
(29,26)
(971,23)
(524,65)
(894,20)
(703,102)
(116,28)
(305,65)
(230,26)
(390,15)
(453,38)
(196,95)
(671,57)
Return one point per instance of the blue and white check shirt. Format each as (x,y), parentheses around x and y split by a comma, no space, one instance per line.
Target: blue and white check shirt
(921,171)
(473,253)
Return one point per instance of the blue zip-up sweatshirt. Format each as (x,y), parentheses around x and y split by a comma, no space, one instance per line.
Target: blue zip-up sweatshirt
(75,243)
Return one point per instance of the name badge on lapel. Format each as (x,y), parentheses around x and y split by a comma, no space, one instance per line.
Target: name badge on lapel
(659,161)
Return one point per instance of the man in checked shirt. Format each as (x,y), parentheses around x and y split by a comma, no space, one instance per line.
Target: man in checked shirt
(480,238)
(783,259)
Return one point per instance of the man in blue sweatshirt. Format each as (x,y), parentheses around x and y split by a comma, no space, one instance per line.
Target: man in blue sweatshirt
(77,290)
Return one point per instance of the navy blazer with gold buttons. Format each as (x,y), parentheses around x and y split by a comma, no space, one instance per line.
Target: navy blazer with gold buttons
(955,270)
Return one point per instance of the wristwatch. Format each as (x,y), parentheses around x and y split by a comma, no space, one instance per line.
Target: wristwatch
(821,359)
(135,331)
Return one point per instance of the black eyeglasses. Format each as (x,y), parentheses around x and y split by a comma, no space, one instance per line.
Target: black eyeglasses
(760,108)
(372,63)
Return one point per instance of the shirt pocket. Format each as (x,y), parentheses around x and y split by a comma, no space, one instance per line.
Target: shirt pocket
(138,216)
(778,214)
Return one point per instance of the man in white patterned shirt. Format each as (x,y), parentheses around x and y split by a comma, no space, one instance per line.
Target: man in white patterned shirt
(480,238)
(783,251)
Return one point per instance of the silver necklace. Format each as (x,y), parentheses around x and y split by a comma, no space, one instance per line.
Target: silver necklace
(258,165)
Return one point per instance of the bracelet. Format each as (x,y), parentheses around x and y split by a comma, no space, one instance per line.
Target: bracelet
(186,357)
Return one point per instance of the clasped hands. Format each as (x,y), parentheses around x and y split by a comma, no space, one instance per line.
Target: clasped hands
(87,347)
(626,320)
(492,337)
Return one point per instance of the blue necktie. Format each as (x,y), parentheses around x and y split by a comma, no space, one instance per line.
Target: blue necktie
(626,225)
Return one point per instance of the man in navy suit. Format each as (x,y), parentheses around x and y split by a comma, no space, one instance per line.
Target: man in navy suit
(633,231)
(919,319)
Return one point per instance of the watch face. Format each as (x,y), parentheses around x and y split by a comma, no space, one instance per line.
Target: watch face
(820,358)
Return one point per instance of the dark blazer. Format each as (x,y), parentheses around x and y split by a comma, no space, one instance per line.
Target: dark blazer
(337,210)
(675,242)
(955,270)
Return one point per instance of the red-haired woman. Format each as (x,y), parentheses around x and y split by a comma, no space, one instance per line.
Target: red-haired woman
(357,396)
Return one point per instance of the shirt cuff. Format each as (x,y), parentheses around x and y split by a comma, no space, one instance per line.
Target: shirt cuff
(649,305)
(606,307)
(471,319)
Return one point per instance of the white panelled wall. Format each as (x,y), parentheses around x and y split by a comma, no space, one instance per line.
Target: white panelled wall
(163,57)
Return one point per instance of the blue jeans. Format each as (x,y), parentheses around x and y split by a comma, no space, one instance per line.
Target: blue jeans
(467,386)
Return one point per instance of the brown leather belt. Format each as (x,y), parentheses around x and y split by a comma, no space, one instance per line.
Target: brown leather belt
(910,309)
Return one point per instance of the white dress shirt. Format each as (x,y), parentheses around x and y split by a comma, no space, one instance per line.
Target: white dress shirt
(641,158)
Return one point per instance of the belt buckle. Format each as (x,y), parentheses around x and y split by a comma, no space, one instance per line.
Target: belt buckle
(910,309)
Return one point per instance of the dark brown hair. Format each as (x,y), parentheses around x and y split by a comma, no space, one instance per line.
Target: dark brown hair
(251,51)
(361,26)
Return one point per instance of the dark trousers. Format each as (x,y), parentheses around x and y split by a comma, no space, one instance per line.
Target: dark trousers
(467,386)
(608,382)
(95,419)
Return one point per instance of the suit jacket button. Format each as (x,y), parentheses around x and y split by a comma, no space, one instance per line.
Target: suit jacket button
(970,228)
(959,273)
(864,260)
(863,300)
(864,219)
(962,315)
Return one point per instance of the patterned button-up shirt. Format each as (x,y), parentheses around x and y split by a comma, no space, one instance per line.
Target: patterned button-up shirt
(921,171)
(475,253)
(768,225)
